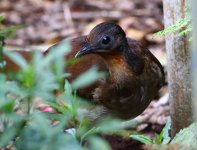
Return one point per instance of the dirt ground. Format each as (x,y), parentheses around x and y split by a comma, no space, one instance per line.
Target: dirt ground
(49,21)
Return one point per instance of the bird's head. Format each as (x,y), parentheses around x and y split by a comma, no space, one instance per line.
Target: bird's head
(104,39)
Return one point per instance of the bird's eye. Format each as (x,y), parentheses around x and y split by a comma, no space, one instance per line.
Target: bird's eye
(106,40)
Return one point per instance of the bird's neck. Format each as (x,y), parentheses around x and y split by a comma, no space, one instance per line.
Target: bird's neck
(118,67)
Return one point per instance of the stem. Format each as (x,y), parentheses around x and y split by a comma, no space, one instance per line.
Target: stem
(2,61)
(92,130)
(29,98)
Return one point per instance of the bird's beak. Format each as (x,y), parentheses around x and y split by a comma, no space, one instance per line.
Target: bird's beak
(85,50)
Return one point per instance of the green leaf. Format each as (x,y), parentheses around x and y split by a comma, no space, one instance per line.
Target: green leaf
(17,58)
(96,143)
(165,132)
(9,87)
(158,138)
(183,26)
(57,107)
(67,88)
(87,78)
(110,125)
(7,136)
(142,138)
(39,134)
(88,133)
(2,82)
(7,106)
(56,52)
(10,30)
(70,99)
(12,124)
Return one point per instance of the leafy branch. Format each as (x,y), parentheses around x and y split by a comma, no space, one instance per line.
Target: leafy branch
(183,27)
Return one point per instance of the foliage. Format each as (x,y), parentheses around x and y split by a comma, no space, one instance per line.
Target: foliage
(24,126)
(186,138)
(142,138)
(9,31)
(183,26)
(162,138)
(4,33)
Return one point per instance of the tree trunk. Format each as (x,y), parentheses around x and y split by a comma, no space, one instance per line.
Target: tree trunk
(194,56)
(179,72)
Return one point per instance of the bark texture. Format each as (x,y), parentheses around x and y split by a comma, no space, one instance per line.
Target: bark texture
(194,56)
(179,72)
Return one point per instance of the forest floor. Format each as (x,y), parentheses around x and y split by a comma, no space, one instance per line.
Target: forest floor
(50,21)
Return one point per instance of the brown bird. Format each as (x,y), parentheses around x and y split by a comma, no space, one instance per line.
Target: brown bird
(134,74)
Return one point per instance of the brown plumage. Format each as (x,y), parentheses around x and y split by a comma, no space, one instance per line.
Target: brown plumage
(134,74)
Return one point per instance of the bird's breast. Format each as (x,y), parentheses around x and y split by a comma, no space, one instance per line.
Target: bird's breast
(126,94)
(119,71)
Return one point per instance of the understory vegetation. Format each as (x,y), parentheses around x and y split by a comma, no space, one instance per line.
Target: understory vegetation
(42,80)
